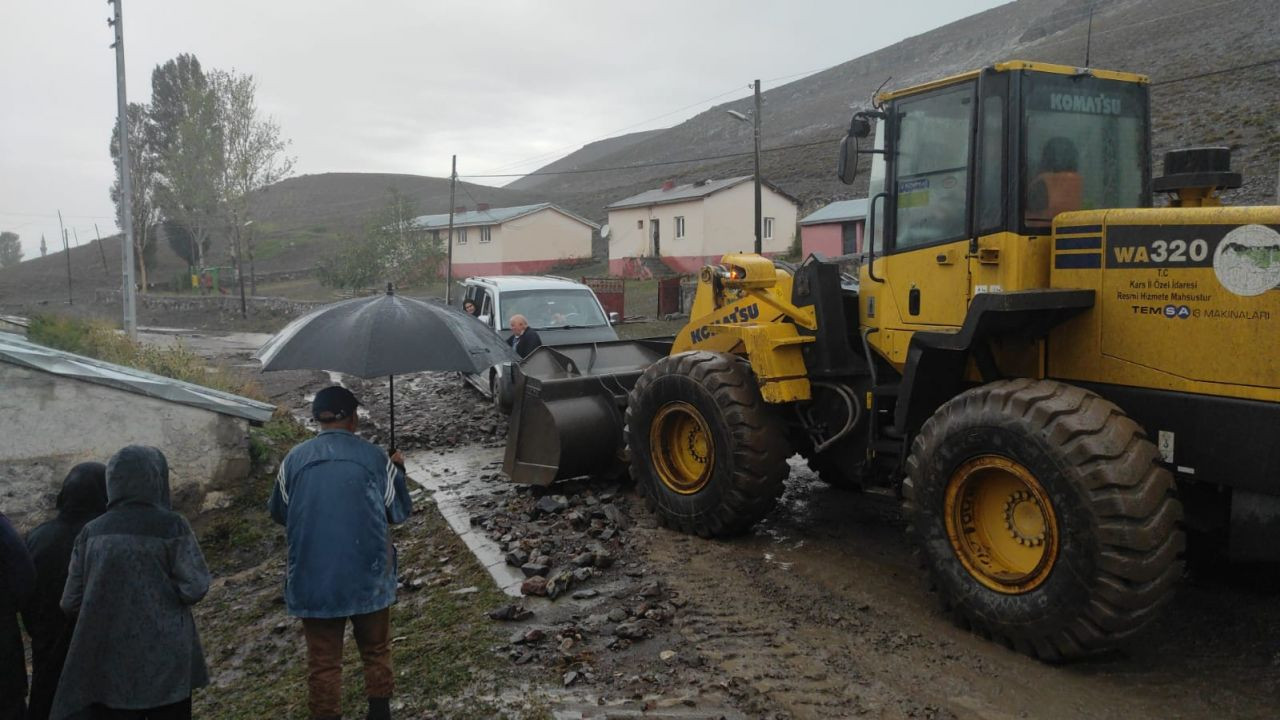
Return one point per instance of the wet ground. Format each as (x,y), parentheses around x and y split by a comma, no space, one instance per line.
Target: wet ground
(817,613)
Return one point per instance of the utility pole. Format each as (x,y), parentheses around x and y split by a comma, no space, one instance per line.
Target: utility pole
(1088,38)
(126,191)
(66,250)
(253,274)
(102,253)
(448,276)
(244,307)
(759,207)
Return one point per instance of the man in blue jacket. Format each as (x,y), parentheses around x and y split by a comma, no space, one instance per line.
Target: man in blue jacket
(337,495)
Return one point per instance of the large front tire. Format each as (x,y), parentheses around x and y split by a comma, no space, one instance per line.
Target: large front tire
(1043,517)
(707,453)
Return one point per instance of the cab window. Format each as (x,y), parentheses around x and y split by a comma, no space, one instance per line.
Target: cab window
(1085,146)
(931,166)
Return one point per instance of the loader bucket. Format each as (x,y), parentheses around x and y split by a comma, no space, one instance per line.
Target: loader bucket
(567,419)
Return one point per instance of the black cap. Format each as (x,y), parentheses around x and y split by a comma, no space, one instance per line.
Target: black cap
(333,404)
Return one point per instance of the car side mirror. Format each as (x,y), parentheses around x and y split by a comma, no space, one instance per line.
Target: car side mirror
(847,163)
(614,318)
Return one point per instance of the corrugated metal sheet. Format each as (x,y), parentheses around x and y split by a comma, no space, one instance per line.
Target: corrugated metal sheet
(838,211)
(492,216)
(16,351)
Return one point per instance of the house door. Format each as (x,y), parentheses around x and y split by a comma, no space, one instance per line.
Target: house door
(656,235)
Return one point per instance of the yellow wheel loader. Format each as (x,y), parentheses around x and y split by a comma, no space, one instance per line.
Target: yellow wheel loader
(1058,379)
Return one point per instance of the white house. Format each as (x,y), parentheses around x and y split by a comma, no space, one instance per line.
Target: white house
(521,240)
(688,226)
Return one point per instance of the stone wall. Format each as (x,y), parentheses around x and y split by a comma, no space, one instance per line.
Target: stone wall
(228,305)
(51,423)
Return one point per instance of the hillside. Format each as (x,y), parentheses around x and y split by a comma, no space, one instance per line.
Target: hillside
(1165,39)
(295,222)
(582,158)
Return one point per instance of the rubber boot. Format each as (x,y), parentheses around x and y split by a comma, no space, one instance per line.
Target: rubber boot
(379,709)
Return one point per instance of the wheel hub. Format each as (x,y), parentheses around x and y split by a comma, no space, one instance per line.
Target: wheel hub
(680,448)
(1001,524)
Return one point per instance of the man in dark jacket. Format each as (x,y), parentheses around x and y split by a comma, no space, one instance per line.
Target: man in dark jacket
(336,495)
(83,497)
(17,577)
(523,338)
(134,574)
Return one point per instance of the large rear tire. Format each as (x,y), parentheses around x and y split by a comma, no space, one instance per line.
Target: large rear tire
(707,453)
(1043,517)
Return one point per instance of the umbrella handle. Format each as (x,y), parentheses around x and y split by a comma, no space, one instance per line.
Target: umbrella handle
(391,386)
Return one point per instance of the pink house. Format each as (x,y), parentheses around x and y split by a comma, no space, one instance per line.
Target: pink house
(835,229)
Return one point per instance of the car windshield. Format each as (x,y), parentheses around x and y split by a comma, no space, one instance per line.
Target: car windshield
(554,308)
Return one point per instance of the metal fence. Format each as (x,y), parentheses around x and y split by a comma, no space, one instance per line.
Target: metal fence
(611,291)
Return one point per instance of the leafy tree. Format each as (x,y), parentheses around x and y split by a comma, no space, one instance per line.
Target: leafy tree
(10,249)
(185,137)
(144,176)
(392,248)
(253,153)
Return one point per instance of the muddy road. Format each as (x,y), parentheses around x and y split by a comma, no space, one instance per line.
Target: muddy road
(821,611)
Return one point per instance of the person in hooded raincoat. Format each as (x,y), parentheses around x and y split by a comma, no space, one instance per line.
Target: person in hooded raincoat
(134,574)
(17,577)
(83,497)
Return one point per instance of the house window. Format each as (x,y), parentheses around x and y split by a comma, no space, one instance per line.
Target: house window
(640,224)
(768,228)
(679,227)
(435,237)
(462,236)
(484,234)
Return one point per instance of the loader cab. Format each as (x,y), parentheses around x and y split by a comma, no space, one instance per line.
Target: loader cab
(967,174)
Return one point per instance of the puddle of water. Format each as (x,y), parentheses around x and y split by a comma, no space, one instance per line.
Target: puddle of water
(452,478)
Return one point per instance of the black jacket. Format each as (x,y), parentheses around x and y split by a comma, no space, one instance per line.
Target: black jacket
(526,343)
(16,580)
(83,497)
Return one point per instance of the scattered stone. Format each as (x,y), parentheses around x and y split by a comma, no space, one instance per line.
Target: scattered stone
(512,612)
(517,557)
(603,559)
(559,583)
(585,559)
(570,677)
(534,635)
(630,631)
(469,590)
(536,585)
(617,615)
(550,504)
(651,590)
(667,655)
(585,594)
(583,574)
(280,628)
(531,569)
(617,517)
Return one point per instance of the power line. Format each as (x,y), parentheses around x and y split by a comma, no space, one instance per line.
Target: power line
(1211,73)
(613,133)
(704,158)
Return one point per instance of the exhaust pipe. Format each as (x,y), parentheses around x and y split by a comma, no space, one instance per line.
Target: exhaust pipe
(570,402)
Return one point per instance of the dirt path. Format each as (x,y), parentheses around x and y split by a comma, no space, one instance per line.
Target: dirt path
(820,613)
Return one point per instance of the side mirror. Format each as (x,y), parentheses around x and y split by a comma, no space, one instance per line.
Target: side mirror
(847,163)
(614,318)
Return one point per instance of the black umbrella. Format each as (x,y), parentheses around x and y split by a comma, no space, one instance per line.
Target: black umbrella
(385,335)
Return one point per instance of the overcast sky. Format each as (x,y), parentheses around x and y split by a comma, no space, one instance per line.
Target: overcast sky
(400,85)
